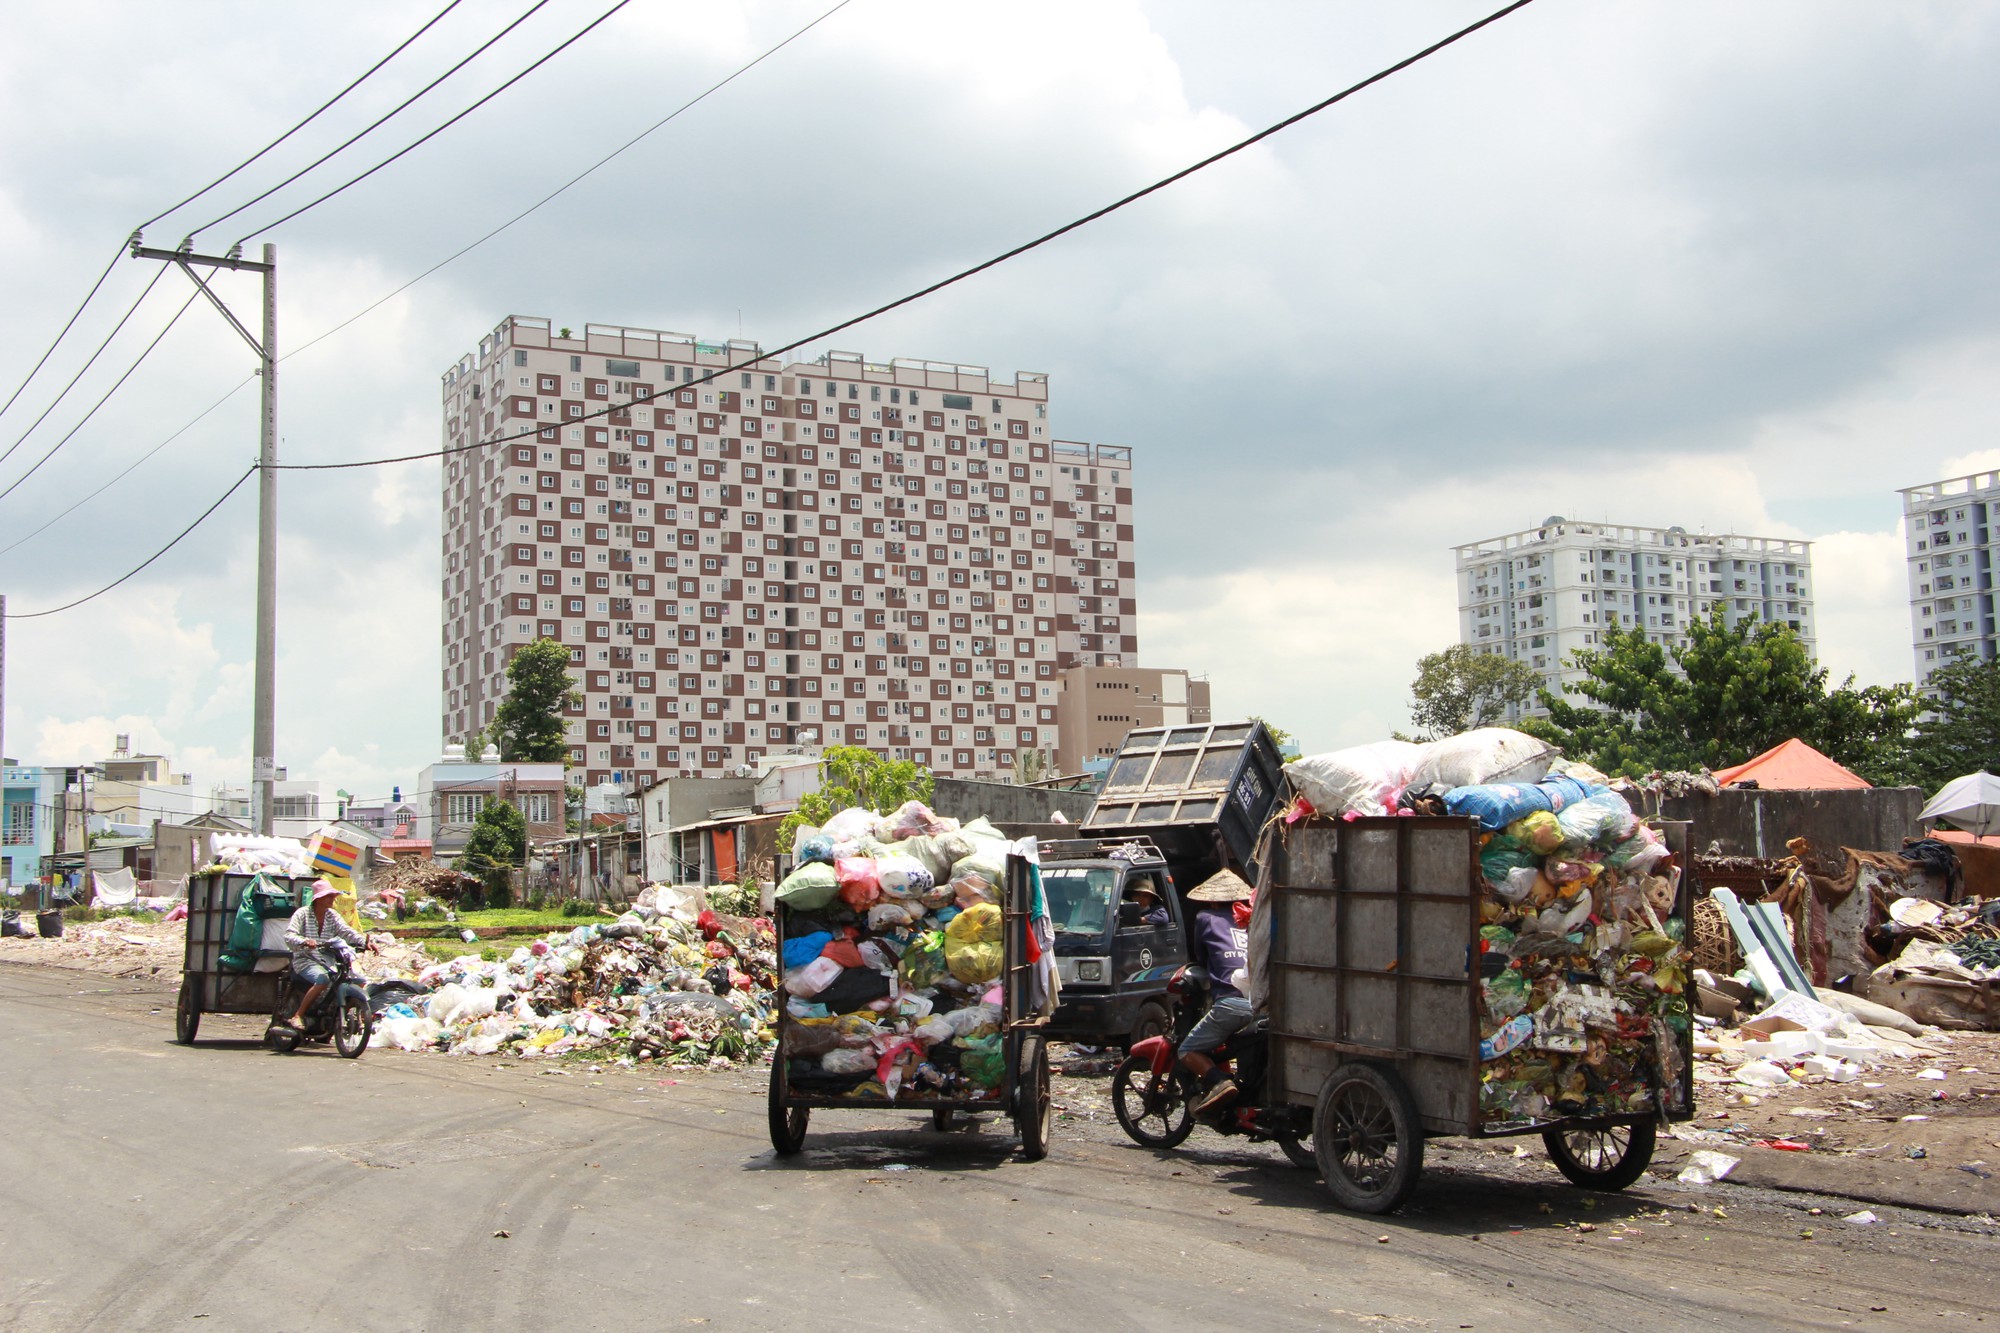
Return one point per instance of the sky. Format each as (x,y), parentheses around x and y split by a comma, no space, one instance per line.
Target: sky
(1669,262)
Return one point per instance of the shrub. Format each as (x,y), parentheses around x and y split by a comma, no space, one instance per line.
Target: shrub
(578,907)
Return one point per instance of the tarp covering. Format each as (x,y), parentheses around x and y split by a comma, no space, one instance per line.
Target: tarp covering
(1793,766)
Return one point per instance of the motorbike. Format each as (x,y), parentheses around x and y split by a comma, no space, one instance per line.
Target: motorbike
(1154,1096)
(341,1015)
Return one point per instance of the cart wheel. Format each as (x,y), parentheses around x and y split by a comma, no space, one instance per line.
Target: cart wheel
(1153,1115)
(1152,1022)
(1608,1157)
(1035,1107)
(187,1013)
(1298,1150)
(1367,1139)
(941,1119)
(788,1123)
(352,1027)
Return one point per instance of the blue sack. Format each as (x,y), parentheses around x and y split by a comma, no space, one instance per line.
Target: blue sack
(1496,805)
(800,951)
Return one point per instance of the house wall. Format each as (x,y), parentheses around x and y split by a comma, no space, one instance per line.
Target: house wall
(966,799)
(1758,823)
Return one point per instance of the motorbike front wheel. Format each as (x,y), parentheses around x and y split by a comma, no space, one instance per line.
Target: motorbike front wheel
(1156,1111)
(351,1027)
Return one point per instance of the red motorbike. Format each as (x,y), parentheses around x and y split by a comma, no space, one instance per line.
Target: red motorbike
(1154,1096)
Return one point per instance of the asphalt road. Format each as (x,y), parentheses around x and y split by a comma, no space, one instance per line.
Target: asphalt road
(149,1186)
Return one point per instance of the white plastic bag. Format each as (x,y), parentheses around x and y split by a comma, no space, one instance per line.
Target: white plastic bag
(1483,755)
(1365,779)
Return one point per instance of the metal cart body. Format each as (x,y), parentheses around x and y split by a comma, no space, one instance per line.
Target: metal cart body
(206,986)
(1024,1092)
(1375,994)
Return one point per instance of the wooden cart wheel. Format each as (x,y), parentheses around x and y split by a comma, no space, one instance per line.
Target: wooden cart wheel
(1367,1137)
(187,1012)
(1153,1114)
(1034,1105)
(788,1123)
(1607,1157)
(941,1119)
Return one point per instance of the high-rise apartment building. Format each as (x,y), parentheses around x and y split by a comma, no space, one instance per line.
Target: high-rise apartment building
(836,552)
(1539,595)
(1951,528)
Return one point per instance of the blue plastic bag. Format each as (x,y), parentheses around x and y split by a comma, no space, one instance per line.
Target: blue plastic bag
(800,951)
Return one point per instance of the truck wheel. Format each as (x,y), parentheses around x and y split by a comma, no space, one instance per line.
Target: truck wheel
(1035,1102)
(187,1012)
(1153,1112)
(1367,1137)
(788,1123)
(1608,1157)
(1151,1022)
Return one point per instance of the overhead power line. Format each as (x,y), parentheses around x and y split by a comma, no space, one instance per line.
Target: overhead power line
(1113,207)
(62,333)
(374,124)
(248,473)
(130,311)
(323,106)
(410,148)
(573,180)
(137,361)
(962,274)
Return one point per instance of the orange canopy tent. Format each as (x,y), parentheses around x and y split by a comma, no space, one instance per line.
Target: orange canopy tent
(1792,766)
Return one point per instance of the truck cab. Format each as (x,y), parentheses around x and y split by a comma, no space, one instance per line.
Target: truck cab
(1114,963)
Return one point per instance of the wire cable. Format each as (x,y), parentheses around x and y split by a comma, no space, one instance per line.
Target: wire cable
(375,124)
(323,106)
(573,180)
(129,312)
(119,383)
(719,372)
(248,473)
(963,274)
(305,208)
(129,468)
(68,324)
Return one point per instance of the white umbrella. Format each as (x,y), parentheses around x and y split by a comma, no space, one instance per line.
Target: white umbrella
(1971,803)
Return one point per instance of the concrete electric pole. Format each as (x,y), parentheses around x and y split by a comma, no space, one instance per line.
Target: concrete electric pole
(263,740)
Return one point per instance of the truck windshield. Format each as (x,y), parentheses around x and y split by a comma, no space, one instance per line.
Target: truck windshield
(1081,899)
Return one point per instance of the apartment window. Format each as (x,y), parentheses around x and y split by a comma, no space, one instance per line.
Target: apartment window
(461,808)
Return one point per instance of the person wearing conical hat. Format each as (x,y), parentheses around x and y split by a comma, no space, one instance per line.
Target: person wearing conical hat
(1222,948)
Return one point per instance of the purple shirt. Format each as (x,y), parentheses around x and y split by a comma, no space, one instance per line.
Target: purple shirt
(1221,947)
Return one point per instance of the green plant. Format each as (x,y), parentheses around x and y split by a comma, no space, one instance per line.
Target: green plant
(853,776)
(489,954)
(79,915)
(576,907)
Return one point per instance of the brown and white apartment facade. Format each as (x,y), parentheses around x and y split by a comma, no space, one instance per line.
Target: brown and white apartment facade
(798,555)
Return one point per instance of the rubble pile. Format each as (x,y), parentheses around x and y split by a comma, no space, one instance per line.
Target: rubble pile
(412,879)
(1583,972)
(649,985)
(893,958)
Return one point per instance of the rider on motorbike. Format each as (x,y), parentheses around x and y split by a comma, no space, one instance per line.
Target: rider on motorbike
(312,935)
(1220,944)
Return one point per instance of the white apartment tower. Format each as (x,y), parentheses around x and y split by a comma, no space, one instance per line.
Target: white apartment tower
(1539,595)
(1950,528)
(837,552)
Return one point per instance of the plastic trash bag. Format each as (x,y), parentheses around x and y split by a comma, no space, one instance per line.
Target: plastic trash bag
(810,887)
(904,876)
(852,825)
(859,885)
(984,1060)
(1483,755)
(1603,820)
(972,944)
(847,1060)
(913,819)
(813,978)
(1362,779)
(802,949)
(924,961)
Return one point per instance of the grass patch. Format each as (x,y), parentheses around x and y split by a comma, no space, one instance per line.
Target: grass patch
(542,918)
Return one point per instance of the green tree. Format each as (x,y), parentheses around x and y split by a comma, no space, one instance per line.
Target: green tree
(498,843)
(1279,736)
(1732,692)
(852,776)
(529,723)
(1461,687)
(1960,733)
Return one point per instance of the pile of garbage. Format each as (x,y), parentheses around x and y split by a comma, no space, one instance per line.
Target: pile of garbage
(247,854)
(413,878)
(649,985)
(1582,954)
(893,958)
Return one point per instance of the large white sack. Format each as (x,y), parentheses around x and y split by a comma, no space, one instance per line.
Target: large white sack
(1362,778)
(1483,755)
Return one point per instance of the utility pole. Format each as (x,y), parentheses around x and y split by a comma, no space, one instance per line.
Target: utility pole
(263,739)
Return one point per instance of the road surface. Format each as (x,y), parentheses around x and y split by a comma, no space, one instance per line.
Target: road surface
(149,1186)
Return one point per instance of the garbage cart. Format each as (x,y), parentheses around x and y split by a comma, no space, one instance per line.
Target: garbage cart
(248,979)
(1385,969)
(1022,1092)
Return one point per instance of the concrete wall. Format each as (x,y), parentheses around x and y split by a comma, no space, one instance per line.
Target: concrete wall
(1758,823)
(965,799)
